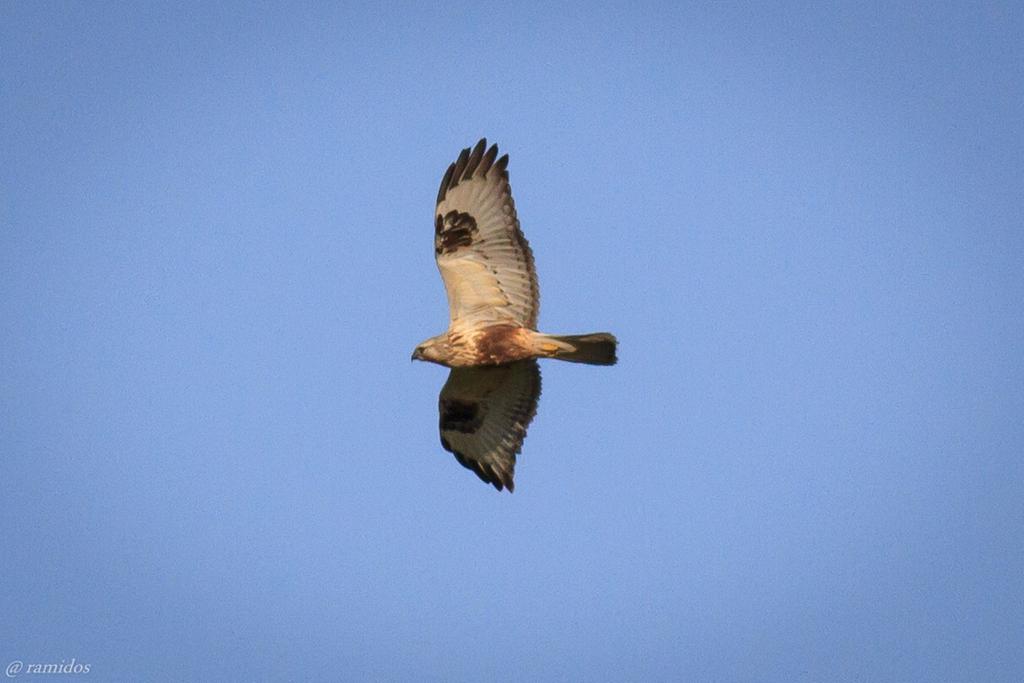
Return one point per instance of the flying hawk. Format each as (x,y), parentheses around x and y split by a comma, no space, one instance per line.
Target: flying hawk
(493,301)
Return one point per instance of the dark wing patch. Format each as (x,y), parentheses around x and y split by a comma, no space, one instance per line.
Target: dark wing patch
(484,413)
(453,230)
(460,416)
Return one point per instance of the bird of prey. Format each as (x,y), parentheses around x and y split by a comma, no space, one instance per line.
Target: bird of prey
(493,300)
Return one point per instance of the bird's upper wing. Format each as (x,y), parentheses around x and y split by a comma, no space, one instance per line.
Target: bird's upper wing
(484,415)
(485,261)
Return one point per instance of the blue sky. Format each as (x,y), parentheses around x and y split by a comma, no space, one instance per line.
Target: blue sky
(803,222)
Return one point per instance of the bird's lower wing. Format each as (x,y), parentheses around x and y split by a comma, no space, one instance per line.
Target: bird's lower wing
(484,413)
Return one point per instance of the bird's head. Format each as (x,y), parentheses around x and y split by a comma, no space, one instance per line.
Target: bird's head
(431,350)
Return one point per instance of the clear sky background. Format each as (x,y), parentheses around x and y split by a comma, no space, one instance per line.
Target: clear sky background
(804,223)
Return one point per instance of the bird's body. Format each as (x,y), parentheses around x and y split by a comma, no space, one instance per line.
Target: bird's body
(493,299)
(467,346)
(473,345)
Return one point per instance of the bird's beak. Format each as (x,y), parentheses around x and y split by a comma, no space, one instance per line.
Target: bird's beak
(415,355)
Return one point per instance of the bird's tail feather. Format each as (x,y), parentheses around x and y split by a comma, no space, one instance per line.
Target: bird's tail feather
(597,348)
